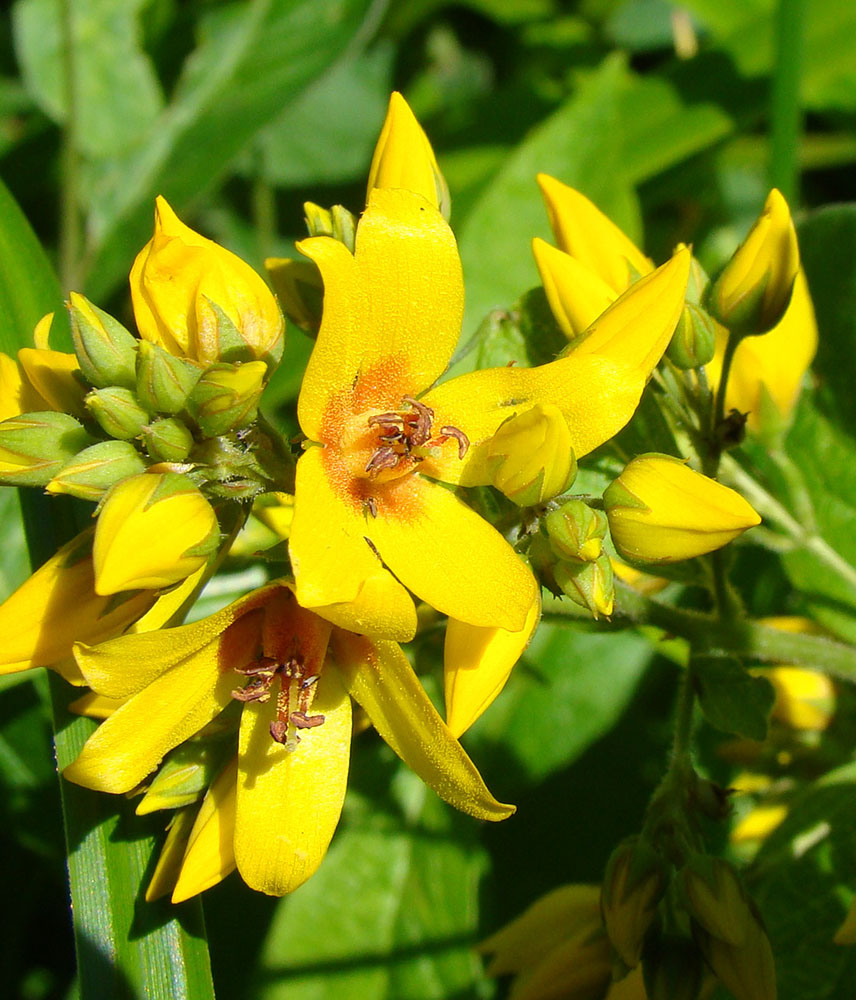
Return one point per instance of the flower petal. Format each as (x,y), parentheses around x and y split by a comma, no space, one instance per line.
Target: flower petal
(477,662)
(382,608)
(577,295)
(17,395)
(289,802)
(597,384)
(379,677)
(395,304)
(210,853)
(51,375)
(449,556)
(174,707)
(328,548)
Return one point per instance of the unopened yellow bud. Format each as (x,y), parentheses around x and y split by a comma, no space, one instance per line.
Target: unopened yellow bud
(95,469)
(199,301)
(531,455)
(660,510)
(577,295)
(226,397)
(300,291)
(633,884)
(403,158)
(716,899)
(153,530)
(748,970)
(589,584)
(752,293)
(576,531)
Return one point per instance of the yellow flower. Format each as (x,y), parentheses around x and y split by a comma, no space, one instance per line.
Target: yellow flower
(767,372)
(753,291)
(368,503)
(403,158)
(197,300)
(660,510)
(295,675)
(153,530)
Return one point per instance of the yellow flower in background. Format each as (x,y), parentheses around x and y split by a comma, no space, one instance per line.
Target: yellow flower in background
(153,530)
(295,675)
(660,510)
(753,291)
(403,158)
(767,372)
(368,505)
(198,300)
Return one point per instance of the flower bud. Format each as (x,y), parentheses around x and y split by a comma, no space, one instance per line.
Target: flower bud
(748,970)
(577,295)
(199,301)
(633,884)
(576,531)
(167,440)
(184,776)
(336,222)
(106,351)
(226,397)
(95,469)
(117,411)
(300,291)
(660,510)
(673,968)
(752,293)
(153,530)
(403,158)
(716,899)
(693,342)
(531,456)
(589,584)
(164,381)
(35,446)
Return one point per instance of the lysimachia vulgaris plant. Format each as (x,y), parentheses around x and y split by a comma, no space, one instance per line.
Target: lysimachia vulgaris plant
(414,499)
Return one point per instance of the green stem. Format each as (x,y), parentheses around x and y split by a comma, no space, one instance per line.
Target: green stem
(711,459)
(264,216)
(785,111)
(684,720)
(69,223)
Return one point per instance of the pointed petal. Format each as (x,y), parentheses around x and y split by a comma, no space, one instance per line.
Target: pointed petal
(174,707)
(392,311)
(584,232)
(597,384)
(95,706)
(17,395)
(382,608)
(577,295)
(172,853)
(210,853)
(328,547)
(477,662)
(378,676)
(51,375)
(57,605)
(122,667)
(449,556)
(289,802)
(170,603)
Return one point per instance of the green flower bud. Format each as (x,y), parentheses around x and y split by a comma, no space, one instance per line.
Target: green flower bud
(716,899)
(117,411)
(337,222)
(576,531)
(226,397)
(35,446)
(167,440)
(106,351)
(184,776)
(164,381)
(694,341)
(300,291)
(748,970)
(673,967)
(633,885)
(95,469)
(589,584)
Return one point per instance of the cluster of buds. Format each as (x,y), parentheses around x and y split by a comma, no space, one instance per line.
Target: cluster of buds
(160,429)
(583,572)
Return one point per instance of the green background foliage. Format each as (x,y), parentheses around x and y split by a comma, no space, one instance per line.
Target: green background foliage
(238,113)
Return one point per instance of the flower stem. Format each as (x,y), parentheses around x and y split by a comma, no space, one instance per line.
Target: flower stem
(714,454)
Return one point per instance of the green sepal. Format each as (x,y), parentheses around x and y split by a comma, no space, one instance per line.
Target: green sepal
(167,440)
(106,351)
(163,381)
(44,441)
(694,341)
(117,412)
(95,469)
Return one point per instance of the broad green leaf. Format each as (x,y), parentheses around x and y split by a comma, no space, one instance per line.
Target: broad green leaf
(567,691)
(328,134)
(392,914)
(254,58)
(732,699)
(118,95)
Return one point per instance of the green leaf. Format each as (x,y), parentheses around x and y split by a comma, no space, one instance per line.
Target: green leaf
(117,92)
(253,60)
(732,699)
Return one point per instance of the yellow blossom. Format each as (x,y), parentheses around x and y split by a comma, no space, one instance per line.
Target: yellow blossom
(153,530)
(403,158)
(660,510)
(370,515)
(197,300)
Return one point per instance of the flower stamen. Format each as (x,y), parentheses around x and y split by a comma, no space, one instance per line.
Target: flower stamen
(405,431)
(296,686)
